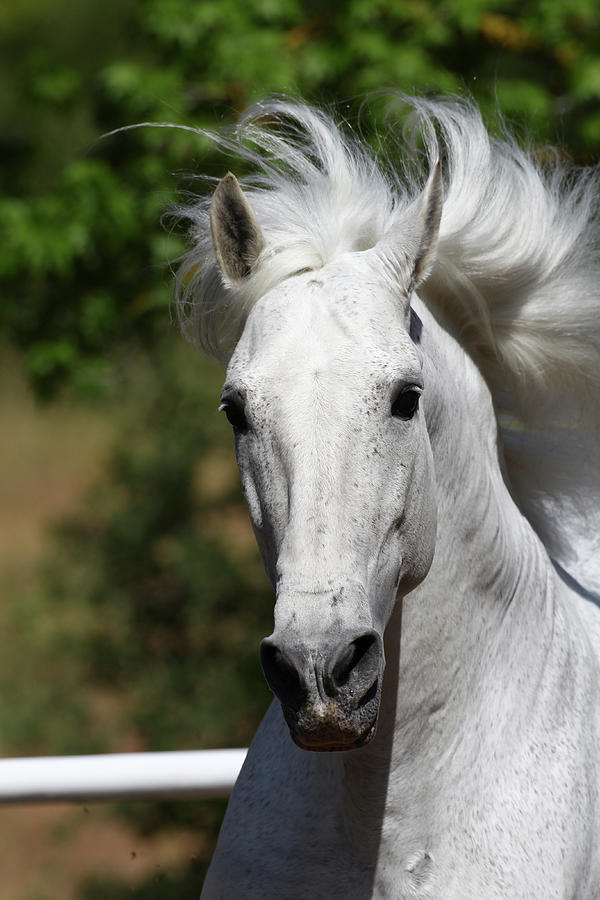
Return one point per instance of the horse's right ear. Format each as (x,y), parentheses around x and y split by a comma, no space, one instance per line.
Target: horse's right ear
(410,244)
(236,234)
(428,224)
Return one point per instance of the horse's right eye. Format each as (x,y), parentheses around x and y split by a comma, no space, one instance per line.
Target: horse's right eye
(406,403)
(235,414)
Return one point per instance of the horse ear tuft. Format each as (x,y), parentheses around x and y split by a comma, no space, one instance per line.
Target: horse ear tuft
(236,234)
(428,226)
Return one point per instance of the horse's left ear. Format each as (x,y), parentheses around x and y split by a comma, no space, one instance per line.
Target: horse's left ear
(410,245)
(236,234)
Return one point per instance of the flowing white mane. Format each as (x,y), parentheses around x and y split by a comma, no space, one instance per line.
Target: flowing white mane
(517,278)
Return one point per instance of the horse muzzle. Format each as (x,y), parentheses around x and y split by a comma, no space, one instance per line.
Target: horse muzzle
(329,694)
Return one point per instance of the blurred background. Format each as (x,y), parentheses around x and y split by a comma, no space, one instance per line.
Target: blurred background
(132,599)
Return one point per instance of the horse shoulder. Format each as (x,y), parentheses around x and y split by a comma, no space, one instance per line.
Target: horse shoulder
(283,833)
(574,727)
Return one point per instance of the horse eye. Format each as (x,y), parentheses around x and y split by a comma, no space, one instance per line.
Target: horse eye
(235,415)
(405,405)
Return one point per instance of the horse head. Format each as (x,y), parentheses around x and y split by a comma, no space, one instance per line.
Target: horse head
(326,395)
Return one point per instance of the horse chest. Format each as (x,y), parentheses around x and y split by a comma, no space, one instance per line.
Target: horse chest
(289,836)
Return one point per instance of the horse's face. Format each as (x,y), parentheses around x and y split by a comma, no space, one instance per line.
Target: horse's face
(324,394)
(323,391)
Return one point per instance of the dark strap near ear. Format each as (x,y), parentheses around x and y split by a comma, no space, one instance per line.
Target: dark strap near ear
(415,327)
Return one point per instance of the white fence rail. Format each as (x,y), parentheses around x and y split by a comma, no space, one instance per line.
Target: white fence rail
(123,776)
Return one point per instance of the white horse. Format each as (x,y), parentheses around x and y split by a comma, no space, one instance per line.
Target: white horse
(415,396)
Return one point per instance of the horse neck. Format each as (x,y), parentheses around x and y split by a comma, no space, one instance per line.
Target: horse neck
(466,649)
(490,587)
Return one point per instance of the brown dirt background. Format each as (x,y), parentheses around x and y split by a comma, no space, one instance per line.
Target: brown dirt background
(49,456)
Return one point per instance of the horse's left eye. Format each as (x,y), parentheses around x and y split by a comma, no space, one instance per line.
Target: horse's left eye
(405,404)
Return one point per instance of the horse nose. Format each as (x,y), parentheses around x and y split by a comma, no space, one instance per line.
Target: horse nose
(283,670)
(347,671)
(355,667)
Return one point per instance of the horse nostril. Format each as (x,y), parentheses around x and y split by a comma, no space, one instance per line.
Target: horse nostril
(357,664)
(282,675)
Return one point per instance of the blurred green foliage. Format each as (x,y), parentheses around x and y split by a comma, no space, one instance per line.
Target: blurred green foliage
(82,254)
(143,596)
(175,614)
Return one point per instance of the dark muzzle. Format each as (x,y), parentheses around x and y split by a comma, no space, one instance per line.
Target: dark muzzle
(329,693)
